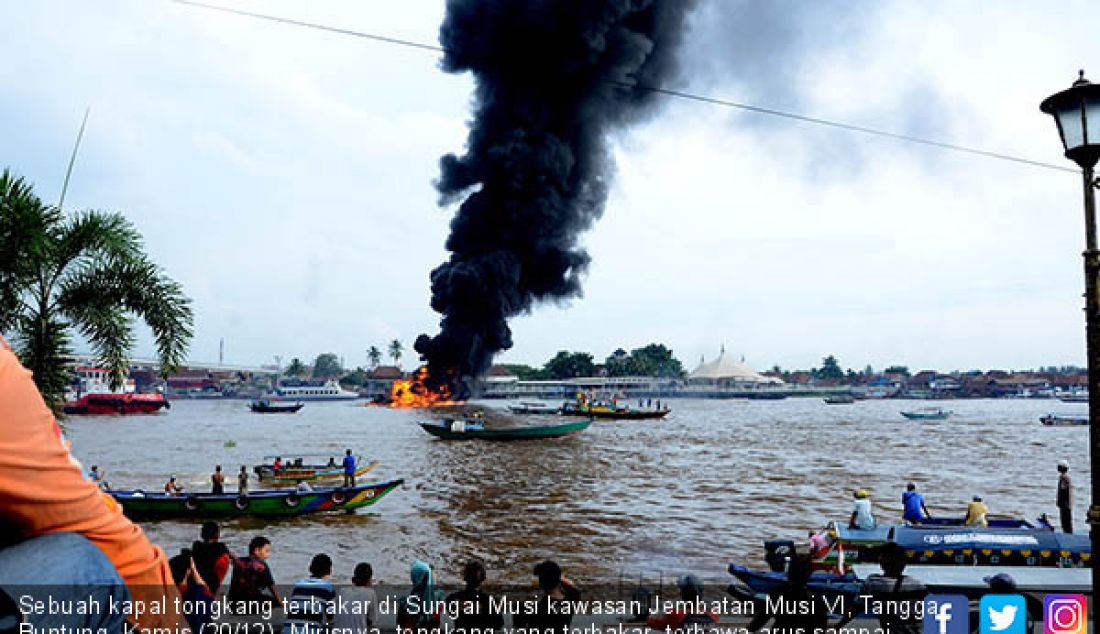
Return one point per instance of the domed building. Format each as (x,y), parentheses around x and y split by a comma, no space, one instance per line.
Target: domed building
(724,372)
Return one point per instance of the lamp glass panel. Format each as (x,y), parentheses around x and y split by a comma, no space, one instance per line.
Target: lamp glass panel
(1069,119)
(1092,113)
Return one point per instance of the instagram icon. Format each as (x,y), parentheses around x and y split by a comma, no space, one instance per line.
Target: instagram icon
(1065,614)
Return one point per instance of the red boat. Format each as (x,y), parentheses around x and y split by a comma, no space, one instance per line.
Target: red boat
(109,403)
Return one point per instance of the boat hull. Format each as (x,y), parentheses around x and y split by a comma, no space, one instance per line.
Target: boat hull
(926,415)
(620,414)
(444,431)
(140,505)
(270,408)
(1064,421)
(115,404)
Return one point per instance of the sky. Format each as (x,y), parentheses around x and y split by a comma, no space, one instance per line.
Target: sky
(284,177)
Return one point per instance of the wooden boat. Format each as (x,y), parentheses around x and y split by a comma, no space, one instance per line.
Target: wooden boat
(1053,420)
(928,413)
(618,413)
(264,406)
(475,430)
(296,468)
(137,504)
(839,399)
(533,407)
(112,403)
(1076,397)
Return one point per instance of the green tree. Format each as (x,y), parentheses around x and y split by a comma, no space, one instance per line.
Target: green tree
(395,351)
(327,366)
(87,272)
(830,369)
(568,365)
(296,368)
(897,369)
(355,378)
(619,363)
(375,356)
(656,360)
(524,372)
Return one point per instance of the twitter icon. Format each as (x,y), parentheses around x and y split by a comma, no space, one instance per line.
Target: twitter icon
(1002,614)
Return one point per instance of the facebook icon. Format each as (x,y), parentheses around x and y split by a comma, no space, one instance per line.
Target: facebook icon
(946,614)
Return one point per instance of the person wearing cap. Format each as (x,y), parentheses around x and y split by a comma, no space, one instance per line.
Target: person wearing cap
(689,613)
(862,518)
(172,487)
(1065,497)
(547,616)
(976,513)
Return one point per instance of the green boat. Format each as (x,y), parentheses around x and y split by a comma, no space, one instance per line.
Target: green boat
(475,430)
(137,504)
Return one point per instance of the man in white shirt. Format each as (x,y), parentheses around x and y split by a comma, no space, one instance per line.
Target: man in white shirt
(862,518)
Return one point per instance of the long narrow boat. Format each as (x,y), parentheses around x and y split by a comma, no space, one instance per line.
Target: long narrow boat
(1053,420)
(137,504)
(618,413)
(292,471)
(928,413)
(264,406)
(466,430)
(534,407)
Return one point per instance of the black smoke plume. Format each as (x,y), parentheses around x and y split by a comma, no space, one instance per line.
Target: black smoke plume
(553,78)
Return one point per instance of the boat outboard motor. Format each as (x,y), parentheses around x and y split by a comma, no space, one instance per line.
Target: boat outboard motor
(777,553)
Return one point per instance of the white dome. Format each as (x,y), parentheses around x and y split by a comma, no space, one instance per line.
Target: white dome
(725,369)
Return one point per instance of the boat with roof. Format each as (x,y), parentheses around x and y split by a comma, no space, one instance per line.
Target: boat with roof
(1055,420)
(268,406)
(288,469)
(328,390)
(94,396)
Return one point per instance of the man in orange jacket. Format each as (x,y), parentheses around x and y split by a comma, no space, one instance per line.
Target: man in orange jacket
(69,534)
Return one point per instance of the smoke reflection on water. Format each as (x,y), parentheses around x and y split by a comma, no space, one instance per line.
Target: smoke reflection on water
(692,492)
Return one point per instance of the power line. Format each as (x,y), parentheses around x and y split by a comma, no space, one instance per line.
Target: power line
(662,91)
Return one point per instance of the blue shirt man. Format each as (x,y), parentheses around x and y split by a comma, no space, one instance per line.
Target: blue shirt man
(349,469)
(914,510)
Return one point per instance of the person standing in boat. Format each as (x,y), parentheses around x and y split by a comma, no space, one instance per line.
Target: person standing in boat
(242,481)
(913,509)
(349,469)
(862,518)
(217,481)
(1065,497)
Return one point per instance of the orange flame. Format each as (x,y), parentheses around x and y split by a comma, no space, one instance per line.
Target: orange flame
(414,393)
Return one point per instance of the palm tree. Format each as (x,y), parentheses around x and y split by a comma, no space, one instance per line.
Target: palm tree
(296,367)
(395,351)
(375,356)
(87,272)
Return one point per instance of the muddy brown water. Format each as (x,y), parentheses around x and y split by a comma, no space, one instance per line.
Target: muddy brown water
(692,492)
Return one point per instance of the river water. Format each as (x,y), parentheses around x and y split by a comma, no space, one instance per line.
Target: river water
(637,499)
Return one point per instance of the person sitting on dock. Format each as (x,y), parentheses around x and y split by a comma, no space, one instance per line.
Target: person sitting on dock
(472,606)
(63,537)
(171,487)
(690,614)
(349,469)
(914,510)
(303,487)
(217,481)
(252,581)
(891,588)
(546,615)
(242,481)
(419,611)
(212,558)
(976,513)
(862,518)
(309,607)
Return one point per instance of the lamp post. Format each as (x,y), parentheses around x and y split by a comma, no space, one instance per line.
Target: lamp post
(1077,113)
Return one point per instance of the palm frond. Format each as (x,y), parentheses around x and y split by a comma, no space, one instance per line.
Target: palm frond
(42,344)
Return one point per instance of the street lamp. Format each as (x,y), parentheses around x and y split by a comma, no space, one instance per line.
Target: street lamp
(1077,113)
